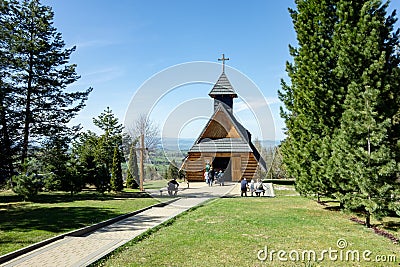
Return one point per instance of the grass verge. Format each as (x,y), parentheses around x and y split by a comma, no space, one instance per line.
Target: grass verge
(232,231)
(25,223)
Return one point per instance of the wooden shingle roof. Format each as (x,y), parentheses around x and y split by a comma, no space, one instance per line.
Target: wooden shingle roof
(222,87)
(214,144)
(232,145)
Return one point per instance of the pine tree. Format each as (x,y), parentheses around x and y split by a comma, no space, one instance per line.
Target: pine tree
(9,117)
(111,136)
(311,100)
(116,172)
(96,152)
(54,157)
(75,176)
(38,74)
(84,151)
(107,122)
(364,153)
(29,183)
(344,48)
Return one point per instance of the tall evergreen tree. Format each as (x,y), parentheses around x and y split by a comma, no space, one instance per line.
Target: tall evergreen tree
(9,119)
(95,153)
(133,169)
(111,137)
(311,100)
(364,155)
(54,157)
(84,151)
(116,171)
(40,74)
(344,48)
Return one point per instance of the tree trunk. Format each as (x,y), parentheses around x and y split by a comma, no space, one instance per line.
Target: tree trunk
(28,112)
(368,219)
(7,143)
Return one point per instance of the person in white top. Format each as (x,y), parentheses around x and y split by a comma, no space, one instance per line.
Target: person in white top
(206,176)
(252,187)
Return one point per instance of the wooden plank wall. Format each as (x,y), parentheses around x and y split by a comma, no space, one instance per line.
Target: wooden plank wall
(195,164)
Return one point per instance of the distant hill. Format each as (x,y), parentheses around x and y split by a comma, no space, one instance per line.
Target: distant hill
(177,144)
(184,144)
(270,143)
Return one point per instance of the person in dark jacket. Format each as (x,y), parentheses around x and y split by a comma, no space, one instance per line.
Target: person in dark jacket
(173,187)
(211,176)
(243,187)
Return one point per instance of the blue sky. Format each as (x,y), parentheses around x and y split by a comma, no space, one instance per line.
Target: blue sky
(123,43)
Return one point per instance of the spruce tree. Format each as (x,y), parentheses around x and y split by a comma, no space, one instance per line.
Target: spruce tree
(54,157)
(116,172)
(364,154)
(344,78)
(129,183)
(111,136)
(311,99)
(84,151)
(133,170)
(96,152)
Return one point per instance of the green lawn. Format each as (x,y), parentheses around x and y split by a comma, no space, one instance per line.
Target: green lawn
(157,184)
(232,231)
(25,223)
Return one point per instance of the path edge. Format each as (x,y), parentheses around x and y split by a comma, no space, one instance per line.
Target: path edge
(78,232)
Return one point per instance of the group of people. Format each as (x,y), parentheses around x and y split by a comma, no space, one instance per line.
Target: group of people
(254,187)
(211,175)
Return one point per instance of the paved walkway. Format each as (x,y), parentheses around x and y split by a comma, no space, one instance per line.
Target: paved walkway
(84,250)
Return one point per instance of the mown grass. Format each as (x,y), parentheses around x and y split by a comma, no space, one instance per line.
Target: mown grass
(231,232)
(157,184)
(24,223)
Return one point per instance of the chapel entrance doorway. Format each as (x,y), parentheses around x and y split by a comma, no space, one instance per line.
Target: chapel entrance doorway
(223,163)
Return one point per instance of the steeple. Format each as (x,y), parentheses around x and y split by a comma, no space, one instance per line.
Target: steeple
(223,92)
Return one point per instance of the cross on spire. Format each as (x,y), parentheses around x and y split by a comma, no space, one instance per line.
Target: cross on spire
(223,59)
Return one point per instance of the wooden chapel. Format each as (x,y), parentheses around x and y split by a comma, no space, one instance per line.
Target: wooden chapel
(223,143)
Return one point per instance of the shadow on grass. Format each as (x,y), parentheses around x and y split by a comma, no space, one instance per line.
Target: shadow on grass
(59,197)
(332,205)
(53,219)
(333,208)
(391,225)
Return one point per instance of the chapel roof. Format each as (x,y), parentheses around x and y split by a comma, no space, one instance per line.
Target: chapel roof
(223,87)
